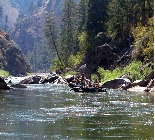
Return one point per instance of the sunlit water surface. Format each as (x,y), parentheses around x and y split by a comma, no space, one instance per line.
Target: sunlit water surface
(53,112)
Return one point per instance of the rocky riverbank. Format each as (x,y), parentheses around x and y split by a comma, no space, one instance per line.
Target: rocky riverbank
(122,83)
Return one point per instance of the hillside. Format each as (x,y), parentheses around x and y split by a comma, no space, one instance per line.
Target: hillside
(11,57)
(12,13)
(29,27)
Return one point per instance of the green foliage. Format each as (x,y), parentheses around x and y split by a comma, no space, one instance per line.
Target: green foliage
(68,35)
(70,73)
(83,42)
(57,65)
(40,57)
(96,19)
(74,60)
(135,71)
(108,75)
(144,41)
(133,68)
(124,15)
(94,77)
(4,73)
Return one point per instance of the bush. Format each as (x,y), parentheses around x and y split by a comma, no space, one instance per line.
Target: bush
(144,41)
(57,65)
(108,75)
(94,77)
(4,73)
(133,68)
(74,60)
(135,71)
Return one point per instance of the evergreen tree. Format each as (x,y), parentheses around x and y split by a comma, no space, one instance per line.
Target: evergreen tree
(51,34)
(68,30)
(124,16)
(97,16)
(82,14)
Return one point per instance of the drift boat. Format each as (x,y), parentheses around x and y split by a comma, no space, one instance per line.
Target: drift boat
(89,89)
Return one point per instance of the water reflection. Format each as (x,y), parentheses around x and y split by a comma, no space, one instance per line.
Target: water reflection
(55,112)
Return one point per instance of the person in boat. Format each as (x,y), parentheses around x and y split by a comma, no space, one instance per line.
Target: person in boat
(90,83)
(77,82)
(83,81)
(96,84)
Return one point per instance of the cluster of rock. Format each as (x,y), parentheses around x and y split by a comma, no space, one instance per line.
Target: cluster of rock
(122,82)
(35,79)
(51,78)
(125,83)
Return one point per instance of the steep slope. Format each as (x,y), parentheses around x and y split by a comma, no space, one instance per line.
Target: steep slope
(29,27)
(11,57)
(10,11)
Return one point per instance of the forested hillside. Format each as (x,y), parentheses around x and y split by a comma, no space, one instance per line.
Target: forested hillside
(70,33)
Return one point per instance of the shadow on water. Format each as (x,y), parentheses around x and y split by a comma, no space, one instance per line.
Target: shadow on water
(54,112)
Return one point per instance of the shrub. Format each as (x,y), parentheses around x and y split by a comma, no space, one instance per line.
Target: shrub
(144,41)
(74,60)
(57,65)
(108,75)
(134,68)
(4,73)
(135,71)
(94,77)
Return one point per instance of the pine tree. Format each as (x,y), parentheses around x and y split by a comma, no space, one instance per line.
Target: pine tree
(82,14)
(125,15)
(97,16)
(50,34)
(68,30)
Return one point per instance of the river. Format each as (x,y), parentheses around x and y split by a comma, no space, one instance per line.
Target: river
(53,112)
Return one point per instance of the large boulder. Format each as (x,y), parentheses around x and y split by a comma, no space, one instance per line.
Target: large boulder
(60,80)
(150,76)
(69,78)
(82,69)
(51,78)
(118,83)
(141,83)
(101,56)
(3,84)
(31,80)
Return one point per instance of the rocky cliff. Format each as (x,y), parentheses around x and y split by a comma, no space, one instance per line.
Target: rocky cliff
(11,57)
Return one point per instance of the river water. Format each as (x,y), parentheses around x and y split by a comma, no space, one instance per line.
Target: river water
(53,112)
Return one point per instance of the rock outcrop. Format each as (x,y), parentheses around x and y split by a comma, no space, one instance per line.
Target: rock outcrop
(11,57)
(101,56)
